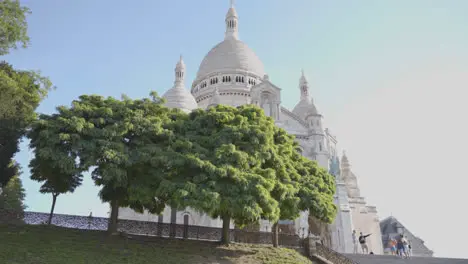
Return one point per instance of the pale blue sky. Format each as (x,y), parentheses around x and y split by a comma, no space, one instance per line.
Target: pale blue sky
(389,76)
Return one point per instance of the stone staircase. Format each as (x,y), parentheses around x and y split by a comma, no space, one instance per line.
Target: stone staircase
(386,259)
(322,254)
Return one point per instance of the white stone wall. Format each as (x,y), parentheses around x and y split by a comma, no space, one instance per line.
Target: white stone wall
(366,221)
(195,218)
(344,223)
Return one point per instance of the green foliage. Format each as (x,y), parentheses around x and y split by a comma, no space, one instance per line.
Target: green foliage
(124,142)
(317,188)
(233,163)
(55,160)
(13,25)
(21,92)
(12,198)
(221,155)
(54,163)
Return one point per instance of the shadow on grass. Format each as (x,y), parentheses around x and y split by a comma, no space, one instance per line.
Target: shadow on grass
(52,244)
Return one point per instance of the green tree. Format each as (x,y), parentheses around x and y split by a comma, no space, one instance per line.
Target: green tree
(13,25)
(21,91)
(301,185)
(221,152)
(54,163)
(11,200)
(124,141)
(316,192)
(283,159)
(120,140)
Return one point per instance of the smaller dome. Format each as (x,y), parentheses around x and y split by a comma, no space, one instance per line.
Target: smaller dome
(178,97)
(305,108)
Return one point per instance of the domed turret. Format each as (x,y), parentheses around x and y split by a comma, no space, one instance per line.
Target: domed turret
(306,108)
(178,96)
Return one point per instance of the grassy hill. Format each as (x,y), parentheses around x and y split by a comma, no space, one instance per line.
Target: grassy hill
(54,245)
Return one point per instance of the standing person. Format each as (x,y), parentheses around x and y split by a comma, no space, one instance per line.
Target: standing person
(392,245)
(406,246)
(355,242)
(362,241)
(401,246)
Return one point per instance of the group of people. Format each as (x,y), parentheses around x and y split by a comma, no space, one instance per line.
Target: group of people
(400,246)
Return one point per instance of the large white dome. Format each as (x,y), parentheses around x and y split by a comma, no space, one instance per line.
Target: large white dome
(231,55)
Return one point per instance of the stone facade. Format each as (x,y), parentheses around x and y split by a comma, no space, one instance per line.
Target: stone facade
(364,217)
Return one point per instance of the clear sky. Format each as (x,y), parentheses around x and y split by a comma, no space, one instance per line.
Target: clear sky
(390,78)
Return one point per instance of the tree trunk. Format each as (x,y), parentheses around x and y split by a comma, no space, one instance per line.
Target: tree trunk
(112,225)
(225,239)
(275,229)
(54,199)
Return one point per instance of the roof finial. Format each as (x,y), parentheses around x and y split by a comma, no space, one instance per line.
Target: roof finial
(180,72)
(232,23)
(304,86)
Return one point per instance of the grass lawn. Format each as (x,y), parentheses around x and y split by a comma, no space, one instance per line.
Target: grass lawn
(55,245)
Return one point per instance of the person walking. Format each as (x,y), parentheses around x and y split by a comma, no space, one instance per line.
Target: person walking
(401,246)
(355,242)
(362,241)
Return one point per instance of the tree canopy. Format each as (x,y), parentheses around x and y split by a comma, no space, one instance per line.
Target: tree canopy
(55,160)
(227,162)
(13,25)
(123,142)
(21,91)
(222,156)
(12,201)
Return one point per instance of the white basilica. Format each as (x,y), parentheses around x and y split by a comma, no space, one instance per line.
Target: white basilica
(232,74)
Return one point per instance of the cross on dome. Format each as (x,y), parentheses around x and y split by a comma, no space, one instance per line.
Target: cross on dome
(232,3)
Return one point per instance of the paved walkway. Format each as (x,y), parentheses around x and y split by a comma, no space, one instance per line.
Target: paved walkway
(380,259)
